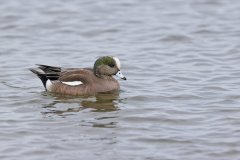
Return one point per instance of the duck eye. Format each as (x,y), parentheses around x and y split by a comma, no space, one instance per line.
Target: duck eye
(112,65)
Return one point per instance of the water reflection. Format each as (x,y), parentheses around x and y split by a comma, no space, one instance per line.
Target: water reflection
(65,105)
(105,102)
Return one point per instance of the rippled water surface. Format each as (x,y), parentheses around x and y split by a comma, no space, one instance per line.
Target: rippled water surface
(181,99)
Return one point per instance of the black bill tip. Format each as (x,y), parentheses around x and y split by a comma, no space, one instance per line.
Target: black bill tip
(124,78)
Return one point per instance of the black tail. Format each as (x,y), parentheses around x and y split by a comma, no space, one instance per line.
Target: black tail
(41,75)
(48,73)
(49,69)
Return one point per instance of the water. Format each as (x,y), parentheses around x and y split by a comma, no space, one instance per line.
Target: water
(181,99)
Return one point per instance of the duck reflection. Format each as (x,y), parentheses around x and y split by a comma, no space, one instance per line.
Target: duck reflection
(104,102)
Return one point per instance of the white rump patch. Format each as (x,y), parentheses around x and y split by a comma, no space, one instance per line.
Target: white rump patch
(117,62)
(73,83)
(49,85)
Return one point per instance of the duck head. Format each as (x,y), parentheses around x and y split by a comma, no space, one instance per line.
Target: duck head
(108,66)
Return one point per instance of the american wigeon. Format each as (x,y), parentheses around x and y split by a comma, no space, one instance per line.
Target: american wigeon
(82,82)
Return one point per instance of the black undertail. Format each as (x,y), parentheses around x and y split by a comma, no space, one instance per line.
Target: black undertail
(47,73)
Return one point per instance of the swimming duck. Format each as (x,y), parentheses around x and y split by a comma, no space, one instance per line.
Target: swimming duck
(81,81)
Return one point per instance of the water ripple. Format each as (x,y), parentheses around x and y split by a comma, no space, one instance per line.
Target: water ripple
(181,99)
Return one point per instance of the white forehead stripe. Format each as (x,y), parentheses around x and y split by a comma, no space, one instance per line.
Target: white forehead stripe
(117,62)
(73,83)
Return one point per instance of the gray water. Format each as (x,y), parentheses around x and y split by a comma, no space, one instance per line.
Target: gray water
(181,99)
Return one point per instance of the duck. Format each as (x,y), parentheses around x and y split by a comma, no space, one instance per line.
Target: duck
(81,81)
